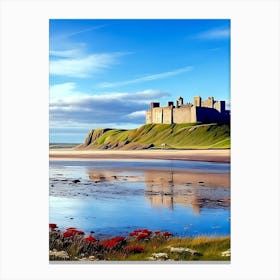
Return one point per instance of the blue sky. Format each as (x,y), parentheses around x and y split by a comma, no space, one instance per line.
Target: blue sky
(105,73)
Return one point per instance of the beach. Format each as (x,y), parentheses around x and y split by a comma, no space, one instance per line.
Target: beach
(221,155)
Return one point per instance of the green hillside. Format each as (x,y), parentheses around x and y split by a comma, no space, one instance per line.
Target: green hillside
(168,136)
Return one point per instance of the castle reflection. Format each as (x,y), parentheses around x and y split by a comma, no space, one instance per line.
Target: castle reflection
(168,188)
(196,190)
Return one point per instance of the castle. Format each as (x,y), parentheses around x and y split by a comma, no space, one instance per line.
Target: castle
(201,111)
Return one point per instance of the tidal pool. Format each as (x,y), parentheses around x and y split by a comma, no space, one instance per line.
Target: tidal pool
(114,197)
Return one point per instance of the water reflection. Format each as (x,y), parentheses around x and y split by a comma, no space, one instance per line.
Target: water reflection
(115,197)
(167,188)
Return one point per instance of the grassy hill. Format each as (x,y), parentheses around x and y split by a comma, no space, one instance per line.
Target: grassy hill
(168,136)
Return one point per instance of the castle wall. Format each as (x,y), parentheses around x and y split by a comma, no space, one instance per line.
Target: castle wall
(157,115)
(207,115)
(220,106)
(167,115)
(148,117)
(193,114)
(208,103)
(182,115)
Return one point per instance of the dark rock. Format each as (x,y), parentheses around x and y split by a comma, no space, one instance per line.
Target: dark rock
(76,181)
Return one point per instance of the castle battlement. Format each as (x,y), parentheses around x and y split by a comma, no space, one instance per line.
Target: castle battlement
(203,111)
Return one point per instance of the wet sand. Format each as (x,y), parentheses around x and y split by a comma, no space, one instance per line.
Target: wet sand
(193,155)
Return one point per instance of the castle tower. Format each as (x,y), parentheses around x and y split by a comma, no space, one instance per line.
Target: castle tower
(211,102)
(153,105)
(179,101)
(220,106)
(197,101)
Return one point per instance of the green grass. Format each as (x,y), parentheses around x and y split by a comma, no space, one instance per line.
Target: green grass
(210,249)
(207,249)
(173,136)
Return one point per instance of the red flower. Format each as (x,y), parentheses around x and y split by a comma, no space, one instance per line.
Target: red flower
(72,232)
(157,232)
(90,238)
(118,239)
(108,243)
(167,234)
(134,249)
(146,231)
(67,234)
(112,242)
(52,226)
(142,235)
(139,231)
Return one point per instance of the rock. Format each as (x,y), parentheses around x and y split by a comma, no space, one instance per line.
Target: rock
(76,181)
(226,253)
(58,255)
(160,256)
(183,249)
(92,258)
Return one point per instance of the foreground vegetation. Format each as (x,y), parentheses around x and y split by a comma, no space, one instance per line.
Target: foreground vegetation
(140,245)
(168,136)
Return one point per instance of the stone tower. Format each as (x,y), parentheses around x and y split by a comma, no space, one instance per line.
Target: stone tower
(197,101)
(179,101)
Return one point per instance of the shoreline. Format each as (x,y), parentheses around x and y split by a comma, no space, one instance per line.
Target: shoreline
(222,156)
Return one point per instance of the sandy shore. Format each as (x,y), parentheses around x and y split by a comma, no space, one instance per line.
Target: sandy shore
(195,155)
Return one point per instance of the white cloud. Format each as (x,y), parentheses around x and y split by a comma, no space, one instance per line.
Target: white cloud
(67,93)
(69,108)
(66,53)
(63,91)
(115,107)
(147,78)
(84,66)
(137,114)
(217,33)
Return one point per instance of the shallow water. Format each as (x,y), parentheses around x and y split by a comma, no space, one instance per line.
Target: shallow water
(111,198)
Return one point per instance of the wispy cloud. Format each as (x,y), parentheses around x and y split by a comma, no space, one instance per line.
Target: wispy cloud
(83,67)
(214,34)
(86,30)
(137,114)
(59,91)
(67,34)
(71,53)
(147,78)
